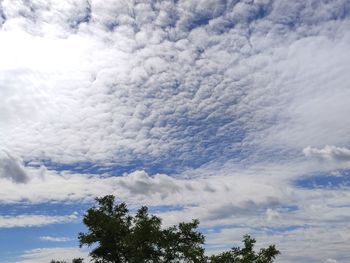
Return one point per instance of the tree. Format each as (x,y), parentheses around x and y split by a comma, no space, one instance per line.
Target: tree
(183,243)
(118,237)
(109,226)
(246,254)
(121,238)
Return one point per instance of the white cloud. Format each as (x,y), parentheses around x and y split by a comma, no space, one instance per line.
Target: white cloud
(123,85)
(316,113)
(272,215)
(55,239)
(328,153)
(34,220)
(44,255)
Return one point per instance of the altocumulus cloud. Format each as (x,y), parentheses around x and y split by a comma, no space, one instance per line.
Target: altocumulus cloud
(221,98)
(122,82)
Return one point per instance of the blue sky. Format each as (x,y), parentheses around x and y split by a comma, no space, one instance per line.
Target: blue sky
(232,112)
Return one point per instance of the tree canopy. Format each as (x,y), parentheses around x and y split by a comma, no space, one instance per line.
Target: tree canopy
(246,254)
(116,236)
(120,237)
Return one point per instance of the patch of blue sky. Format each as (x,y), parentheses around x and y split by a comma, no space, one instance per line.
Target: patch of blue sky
(165,208)
(254,231)
(220,247)
(111,25)
(198,22)
(288,208)
(325,180)
(150,166)
(270,230)
(220,228)
(14,241)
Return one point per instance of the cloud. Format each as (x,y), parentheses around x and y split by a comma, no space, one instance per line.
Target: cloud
(279,208)
(244,209)
(328,153)
(34,220)
(141,183)
(11,168)
(44,255)
(272,215)
(47,186)
(55,239)
(129,84)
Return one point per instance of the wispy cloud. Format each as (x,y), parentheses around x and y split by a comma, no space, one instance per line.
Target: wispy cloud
(55,239)
(44,255)
(34,220)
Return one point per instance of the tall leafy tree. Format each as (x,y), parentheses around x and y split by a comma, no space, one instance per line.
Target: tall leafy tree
(109,227)
(118,237)
(183,243)
(145,237)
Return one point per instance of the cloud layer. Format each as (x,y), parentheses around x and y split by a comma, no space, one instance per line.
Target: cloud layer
(220,110)
(172,84)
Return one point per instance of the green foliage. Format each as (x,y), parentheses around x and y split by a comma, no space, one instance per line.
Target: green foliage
(246,254)
(183,243)
(121,238)
(118,237)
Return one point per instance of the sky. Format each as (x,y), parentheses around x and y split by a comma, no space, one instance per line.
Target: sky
(232,112)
